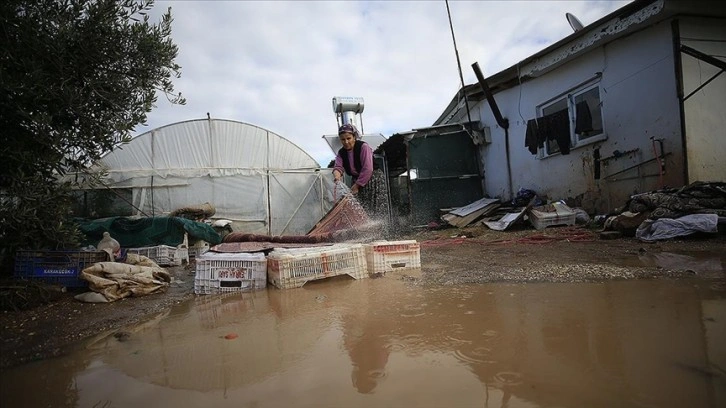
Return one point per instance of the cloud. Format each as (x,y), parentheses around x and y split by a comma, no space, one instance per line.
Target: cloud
(278,64)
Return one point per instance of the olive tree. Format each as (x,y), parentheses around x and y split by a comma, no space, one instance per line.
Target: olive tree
(76,77)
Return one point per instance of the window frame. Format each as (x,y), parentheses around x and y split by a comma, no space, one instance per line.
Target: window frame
(576,140)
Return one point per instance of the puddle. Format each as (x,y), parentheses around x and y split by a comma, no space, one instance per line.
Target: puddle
(701,263)
(386,342)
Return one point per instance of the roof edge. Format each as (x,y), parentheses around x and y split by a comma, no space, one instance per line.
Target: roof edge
(148,132)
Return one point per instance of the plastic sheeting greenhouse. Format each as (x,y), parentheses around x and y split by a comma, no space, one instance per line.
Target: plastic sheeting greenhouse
(259,180)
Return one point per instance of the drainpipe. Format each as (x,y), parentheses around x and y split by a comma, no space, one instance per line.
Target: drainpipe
(501,121)
(677,65)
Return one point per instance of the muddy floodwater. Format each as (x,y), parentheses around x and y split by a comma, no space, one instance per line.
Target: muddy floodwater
(389,342)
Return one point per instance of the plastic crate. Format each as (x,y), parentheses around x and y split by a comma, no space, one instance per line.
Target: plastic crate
(56,267)
(551,215)
(388,256)
(199,248)
(229,272)
(164,255)
(292,268)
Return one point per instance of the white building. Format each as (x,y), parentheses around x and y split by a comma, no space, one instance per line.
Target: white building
(652,108)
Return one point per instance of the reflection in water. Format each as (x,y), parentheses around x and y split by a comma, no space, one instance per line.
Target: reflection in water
(384,342)
(694,262)
(365,340)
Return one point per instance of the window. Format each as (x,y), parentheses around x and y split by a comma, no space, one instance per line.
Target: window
(573,120)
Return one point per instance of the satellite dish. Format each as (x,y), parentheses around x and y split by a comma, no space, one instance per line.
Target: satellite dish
(574,22)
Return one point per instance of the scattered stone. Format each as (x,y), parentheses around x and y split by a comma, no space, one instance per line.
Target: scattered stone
(611,235)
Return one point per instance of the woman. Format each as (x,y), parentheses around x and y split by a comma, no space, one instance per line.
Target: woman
(355,159)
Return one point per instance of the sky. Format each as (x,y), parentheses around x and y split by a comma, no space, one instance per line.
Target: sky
(278,64)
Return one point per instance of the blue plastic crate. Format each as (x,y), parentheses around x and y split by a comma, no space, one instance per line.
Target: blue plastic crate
(56,267)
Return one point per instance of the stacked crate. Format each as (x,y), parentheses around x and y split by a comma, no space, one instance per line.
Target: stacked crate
(164,255)
(292,268)
(56,267)
(229,272)
(389,256)
(199,248)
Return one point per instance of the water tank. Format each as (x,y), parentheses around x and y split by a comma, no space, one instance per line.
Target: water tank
(347,104)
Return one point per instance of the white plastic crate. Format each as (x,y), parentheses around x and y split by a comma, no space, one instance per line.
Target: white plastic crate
(164,255)
(550,215)
(229,272)
(199,248)
(388,256)
(292,268)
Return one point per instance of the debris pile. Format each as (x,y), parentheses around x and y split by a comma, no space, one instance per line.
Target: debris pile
(699,207)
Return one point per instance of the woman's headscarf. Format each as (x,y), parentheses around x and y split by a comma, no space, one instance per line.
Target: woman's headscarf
(349,128)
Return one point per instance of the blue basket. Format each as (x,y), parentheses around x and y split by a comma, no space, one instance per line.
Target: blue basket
(56,267)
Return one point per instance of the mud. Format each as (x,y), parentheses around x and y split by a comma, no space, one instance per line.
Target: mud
(390,342)
(449,257)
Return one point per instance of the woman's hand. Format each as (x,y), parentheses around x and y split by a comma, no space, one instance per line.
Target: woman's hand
(336,175)
(354,189)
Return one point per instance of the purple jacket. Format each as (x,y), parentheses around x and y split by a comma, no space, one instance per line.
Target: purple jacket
(366,159)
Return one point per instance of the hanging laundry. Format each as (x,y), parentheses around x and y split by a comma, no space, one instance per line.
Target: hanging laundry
(531,138)
(558,129)
(554,127)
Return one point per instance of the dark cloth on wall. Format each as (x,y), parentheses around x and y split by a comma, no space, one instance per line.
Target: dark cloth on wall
(531,137)
(555,127)
(583,121)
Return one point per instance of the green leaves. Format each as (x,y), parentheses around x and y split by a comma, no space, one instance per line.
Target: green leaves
(76,77)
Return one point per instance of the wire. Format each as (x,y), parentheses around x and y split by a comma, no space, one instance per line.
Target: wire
(458,62)
(519,103)
(635,73)
(701,39)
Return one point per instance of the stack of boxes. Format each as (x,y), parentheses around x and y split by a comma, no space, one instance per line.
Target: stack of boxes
(229,272)
(292,268)
(166,255)
(232,272)
(56,267)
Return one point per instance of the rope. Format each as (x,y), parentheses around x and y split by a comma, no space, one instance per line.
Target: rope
(562,234)
(569,234)
(443,242)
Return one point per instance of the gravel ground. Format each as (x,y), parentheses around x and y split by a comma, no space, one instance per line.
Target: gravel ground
(556,255)
(448,257)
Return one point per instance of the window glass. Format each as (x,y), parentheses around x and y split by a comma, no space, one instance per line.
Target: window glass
(588,117)
(584,117)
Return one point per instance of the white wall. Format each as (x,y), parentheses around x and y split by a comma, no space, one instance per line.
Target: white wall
(704,111)
(638,94)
